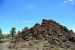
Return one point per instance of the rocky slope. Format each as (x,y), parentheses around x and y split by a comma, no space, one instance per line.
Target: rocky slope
(48,34)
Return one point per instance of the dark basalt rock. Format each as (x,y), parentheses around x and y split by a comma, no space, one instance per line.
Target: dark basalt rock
(72,39)
(51,31)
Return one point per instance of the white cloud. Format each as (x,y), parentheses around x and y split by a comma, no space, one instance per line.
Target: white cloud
(72,2)
(27,21)
(65,2)
(30,6)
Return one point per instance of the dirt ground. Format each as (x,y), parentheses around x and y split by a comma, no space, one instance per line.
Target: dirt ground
(4,46)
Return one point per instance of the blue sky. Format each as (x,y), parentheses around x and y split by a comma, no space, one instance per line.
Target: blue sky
(22,13)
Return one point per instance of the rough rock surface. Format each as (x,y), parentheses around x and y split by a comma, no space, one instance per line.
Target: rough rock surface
(55,34)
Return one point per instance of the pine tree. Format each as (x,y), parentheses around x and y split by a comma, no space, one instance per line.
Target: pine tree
(24,29)
(13,31)
(1,35)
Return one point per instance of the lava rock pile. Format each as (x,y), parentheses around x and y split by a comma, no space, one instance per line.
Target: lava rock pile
(49,30)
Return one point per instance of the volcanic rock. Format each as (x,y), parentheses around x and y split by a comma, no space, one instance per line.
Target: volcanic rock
(55,34)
